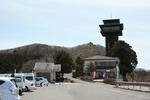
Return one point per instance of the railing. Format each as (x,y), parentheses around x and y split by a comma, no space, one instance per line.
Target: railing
(146,84)
(135,85)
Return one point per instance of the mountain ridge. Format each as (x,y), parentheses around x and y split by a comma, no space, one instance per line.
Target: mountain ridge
(43,50)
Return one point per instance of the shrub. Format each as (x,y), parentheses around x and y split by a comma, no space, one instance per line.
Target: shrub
(86,78)
(110,81)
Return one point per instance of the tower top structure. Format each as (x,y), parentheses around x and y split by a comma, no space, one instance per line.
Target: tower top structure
(111,30)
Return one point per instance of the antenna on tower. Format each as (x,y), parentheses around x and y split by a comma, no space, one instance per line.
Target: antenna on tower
(110,15)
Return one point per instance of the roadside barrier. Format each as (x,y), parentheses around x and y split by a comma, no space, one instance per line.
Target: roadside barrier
(142,86)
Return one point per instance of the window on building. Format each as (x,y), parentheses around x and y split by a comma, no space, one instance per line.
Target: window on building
(105,63)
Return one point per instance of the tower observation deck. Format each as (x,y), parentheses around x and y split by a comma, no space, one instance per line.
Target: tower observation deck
(111,30)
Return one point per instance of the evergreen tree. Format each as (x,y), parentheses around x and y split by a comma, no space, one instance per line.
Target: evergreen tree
(9,62)
(91,67)
(79,65)
(63,58)
(127,56)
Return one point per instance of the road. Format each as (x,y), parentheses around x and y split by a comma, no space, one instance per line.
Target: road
(83,91)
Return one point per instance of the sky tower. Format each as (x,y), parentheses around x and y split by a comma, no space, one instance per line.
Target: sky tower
(111,30)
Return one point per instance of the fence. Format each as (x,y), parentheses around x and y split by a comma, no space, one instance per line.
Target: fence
(142,86)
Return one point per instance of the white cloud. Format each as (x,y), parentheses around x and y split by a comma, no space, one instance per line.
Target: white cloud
(109,3)
(139,42)
(36,4)
(18,7)
(14,7)
(11,44)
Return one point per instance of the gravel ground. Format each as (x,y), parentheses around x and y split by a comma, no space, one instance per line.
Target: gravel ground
(83,91)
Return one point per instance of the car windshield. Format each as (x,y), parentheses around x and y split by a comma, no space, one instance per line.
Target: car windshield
(29,78)
(18,79)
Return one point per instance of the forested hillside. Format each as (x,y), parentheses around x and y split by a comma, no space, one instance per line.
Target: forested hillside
(23,58)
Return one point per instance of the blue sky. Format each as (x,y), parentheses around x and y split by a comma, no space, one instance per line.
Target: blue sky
(73,22)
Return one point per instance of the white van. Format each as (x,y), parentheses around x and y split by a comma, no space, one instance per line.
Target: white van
(29,81)
(29,76)
(20,81)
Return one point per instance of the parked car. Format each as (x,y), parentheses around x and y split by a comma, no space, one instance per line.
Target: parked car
(8,90)
(41,81)
(13,80)
(29,85)
(18,81)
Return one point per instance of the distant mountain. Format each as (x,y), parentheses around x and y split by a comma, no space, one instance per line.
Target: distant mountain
(42,50)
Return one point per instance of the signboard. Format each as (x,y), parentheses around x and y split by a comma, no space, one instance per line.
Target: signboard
(117,61)
(68,76)
(107,70)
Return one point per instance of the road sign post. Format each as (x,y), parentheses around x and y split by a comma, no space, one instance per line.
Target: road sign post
(117,70)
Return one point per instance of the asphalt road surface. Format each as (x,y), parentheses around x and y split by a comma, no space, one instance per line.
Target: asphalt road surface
(83,91)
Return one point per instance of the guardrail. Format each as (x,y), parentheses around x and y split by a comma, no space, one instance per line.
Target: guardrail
(143,86)
(146,84)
